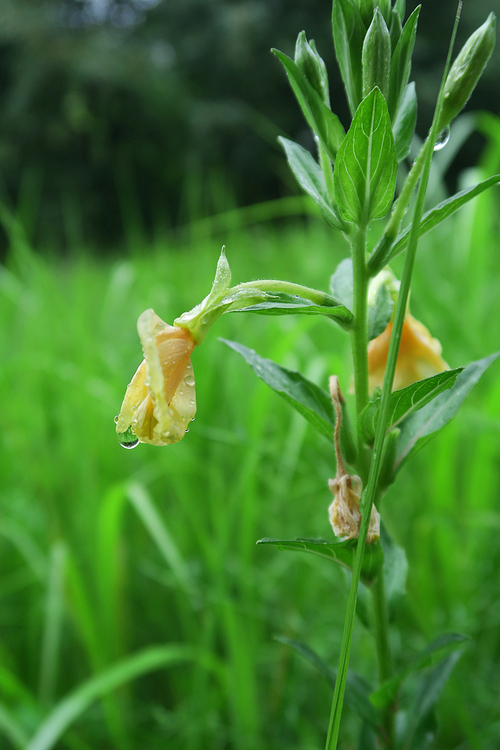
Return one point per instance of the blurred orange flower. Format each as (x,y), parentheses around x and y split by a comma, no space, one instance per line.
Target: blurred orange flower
(160,400)
(419,356)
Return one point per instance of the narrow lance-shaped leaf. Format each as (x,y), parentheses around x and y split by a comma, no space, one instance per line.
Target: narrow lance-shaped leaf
(357,688)
(417,429)
(280,303)
(406,401)
(342,553)
(321,119)
(365,170)
(348,34)
(403,127)
(439,213)
(306,397)
(388,691)
(376,56)
(401,63)
(310,177)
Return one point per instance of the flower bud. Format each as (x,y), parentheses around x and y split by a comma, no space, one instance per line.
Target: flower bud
(160,400)
(312,65)
(376,56)
(466,71)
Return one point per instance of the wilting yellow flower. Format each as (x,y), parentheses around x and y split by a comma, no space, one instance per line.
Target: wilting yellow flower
(160,400)
(419,355)
(344,513)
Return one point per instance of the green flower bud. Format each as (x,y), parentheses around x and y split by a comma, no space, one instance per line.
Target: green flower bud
(376,56)
(312,65)
(466,70)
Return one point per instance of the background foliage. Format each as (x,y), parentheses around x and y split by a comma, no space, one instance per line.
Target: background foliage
(137,111)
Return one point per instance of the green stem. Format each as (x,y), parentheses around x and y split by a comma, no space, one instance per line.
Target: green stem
(384,655)
(369,494)
(326,166)
(359,335)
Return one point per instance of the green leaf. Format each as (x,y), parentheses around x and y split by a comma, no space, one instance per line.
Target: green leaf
(365,170)
(310,177)
(417,429)
(403,127)
(395,569)
(321,119)
(428,693)
(379,315)
(401,63)
(376,56)
(342,553)
(77,702)
(357,688)
(387,692)
(395,28)
(341,283)
(439,213)
(349,33)
(312,65)
(306,397)
(405,402)
(280,303)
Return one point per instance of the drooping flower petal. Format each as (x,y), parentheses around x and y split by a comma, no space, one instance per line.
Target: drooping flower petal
(160,401)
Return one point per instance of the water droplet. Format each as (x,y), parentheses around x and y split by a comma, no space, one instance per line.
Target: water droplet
(189,380)
(127,439)
(442,139)
(116,419)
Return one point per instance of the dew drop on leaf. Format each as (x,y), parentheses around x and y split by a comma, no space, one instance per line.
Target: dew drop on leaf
(442,139)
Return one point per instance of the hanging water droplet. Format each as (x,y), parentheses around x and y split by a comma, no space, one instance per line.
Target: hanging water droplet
(189,380)
(116,419)
(127,439)
(442,139)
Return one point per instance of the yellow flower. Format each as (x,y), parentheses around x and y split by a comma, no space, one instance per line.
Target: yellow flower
(419,356)
(160,400)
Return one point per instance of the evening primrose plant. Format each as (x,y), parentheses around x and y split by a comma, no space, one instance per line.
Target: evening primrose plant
(404,391)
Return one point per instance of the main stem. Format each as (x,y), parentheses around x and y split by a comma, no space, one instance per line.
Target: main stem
(384,655)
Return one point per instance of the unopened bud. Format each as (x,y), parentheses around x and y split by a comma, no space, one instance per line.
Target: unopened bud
(466,71)
(312,65)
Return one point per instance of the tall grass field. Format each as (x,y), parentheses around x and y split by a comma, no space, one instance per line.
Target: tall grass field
(136,611)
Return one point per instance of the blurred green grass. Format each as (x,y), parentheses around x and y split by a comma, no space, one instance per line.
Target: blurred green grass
(106,553)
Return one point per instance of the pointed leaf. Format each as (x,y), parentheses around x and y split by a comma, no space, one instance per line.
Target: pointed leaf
(365,170)
(342,553)
(388,691)
(306,397)
(310,177)
(403,128)
(349,33)
(395,568)
(376,56)
(321,119)
(405,402)
(279,303)
(429,691)
(341,283)
(357,688)
(419,426)
(401,62)
(441,212)
(380,314)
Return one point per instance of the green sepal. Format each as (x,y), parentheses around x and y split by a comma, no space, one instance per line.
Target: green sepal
(312,65)
(417,429)
(380,313)
(342,553)
(388,691)
(357,688)
(320,118)
(430,220)
(401,63)
(403,127)
(341,283)
(365,170)
(310,177)
(280,303)
(349,33)
(376,56)
(405,402)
